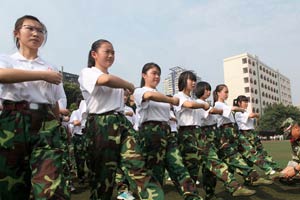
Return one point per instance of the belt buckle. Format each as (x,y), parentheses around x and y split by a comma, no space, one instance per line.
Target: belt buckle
(33,106)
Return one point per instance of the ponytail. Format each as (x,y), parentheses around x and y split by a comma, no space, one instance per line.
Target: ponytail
(219,88)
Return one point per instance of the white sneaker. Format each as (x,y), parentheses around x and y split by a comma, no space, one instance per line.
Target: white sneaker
(125,196)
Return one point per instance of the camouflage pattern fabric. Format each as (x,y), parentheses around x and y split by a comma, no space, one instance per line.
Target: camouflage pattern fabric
(228,152)
(189,149)
(251,156)
(160,147)
(213,166)
(111,144)
(32,156)
(79,145)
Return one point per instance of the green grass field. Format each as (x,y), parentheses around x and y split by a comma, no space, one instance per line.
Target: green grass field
(280,150)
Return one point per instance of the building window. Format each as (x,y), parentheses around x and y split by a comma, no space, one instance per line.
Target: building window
(252,100)
(263,94)
(254,82)
(246,80)
(255,91)
(256,101)
(262,85)
(244,60)
(249,61)
(251,80)
(253,63)
(260,67)
(257,110)
(250,71)
(245,70)
(253,110)
(247,90)
(252,90)
(254,73)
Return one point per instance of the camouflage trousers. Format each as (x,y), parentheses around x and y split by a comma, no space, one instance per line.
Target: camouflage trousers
(79,144)
(229,153)
(160,147)
(251,156)
(213,166)
(111,144)
(255,142)
(32,155)
(189,149)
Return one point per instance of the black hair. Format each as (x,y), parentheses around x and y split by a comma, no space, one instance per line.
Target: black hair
(97,44)
(19,24)
(201,87)
(147,67)
(239,99)
(183,77)
(219,88)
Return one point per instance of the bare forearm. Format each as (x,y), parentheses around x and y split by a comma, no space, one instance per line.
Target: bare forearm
(18,75)
(113,82)
(156,96)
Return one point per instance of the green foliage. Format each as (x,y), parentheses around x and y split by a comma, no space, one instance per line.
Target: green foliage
(274,115)
(73,93)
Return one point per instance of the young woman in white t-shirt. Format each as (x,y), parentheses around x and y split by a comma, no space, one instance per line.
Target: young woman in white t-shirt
(110,136)
(158,143)
(32,144)
(250,145)
(189,124)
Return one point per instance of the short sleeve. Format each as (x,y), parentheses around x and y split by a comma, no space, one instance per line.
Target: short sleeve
(138,97)
(5,61)
(88,78)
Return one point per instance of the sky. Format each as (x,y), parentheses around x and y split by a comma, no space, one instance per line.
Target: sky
(196,35)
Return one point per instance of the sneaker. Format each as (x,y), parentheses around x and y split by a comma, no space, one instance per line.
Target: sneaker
(125,196)
(243,191)
(261,181)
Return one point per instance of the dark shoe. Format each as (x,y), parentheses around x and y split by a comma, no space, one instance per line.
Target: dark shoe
(287,181)
(213,197)
(242,191)
(261,181)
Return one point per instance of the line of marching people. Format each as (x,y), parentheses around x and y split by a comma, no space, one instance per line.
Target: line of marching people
(35,150)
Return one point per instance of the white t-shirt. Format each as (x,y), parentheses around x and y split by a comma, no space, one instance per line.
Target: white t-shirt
(227,116)
(206,119)
(99,99)
(80,115)
(243,121)
(185,116)
(150,110)
(30,91)
(172,123)
(130,118)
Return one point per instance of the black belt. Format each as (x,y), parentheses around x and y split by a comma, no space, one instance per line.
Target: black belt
(154,123)
(228,125)
(112,112)
(183,128)
(214,126)
(24,105)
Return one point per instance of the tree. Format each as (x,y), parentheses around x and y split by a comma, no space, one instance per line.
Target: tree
(73,93)
(274,115)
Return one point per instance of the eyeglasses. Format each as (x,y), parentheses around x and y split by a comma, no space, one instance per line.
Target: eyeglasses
(36,29)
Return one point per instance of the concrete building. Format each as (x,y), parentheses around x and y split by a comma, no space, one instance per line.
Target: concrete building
(245,74)
(171,82)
